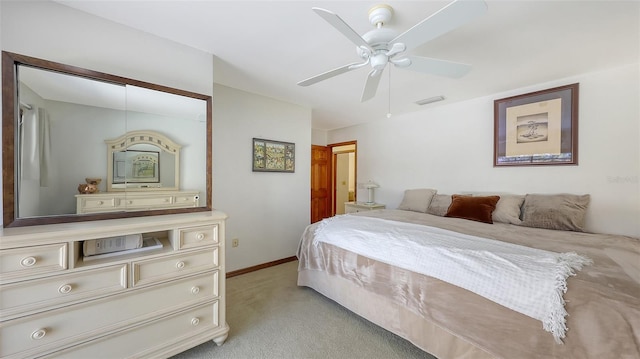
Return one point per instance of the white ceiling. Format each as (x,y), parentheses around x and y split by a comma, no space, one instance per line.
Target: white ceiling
(266,47)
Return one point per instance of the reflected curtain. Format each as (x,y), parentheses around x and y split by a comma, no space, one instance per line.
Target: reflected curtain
(35,145)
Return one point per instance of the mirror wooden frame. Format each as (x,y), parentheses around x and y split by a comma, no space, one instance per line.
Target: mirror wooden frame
(10,61)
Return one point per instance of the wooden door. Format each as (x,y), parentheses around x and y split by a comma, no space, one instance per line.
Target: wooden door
(320,183)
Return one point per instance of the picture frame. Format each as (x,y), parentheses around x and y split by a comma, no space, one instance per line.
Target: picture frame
(273,156)
(537,128)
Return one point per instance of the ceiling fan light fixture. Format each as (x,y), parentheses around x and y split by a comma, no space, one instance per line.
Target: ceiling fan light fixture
(429,100)
(380,14)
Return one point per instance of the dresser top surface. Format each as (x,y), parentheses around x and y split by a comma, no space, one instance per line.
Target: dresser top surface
(11,237)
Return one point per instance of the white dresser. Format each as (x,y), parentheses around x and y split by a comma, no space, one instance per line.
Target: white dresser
(152,304)
(354,207)
(135,201)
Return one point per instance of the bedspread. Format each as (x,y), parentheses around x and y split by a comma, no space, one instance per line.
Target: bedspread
(528,280)
(603,299)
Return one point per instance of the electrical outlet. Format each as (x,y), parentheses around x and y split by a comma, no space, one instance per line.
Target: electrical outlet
(235,242)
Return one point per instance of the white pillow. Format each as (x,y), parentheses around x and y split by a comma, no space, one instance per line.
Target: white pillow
(417,200)
(440,204)
(508,207)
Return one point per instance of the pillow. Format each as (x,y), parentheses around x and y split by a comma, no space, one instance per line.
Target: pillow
(439,204)
(473,208)
(564,212)
(417,200)
(507,209)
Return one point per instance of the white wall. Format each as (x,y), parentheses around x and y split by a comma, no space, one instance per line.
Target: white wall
(319,137)
(267,211)
(450,148)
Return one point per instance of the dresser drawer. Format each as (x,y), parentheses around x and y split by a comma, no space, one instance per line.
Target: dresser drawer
(46,292)
(198,236)
(98,203)
(18,262)
(152,201)
(187,199)
(151,271)
(166,332)
(26,337)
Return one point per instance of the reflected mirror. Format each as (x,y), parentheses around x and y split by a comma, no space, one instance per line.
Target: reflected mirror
(82,145)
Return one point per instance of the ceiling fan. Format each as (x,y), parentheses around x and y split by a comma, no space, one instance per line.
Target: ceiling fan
(383,45)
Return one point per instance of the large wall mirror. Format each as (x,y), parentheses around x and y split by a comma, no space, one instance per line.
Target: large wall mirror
(82,145)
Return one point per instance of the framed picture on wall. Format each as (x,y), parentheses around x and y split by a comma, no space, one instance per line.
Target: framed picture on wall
(538,128)
(273,156)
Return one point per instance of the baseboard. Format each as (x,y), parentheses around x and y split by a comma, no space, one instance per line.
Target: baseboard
(261,266)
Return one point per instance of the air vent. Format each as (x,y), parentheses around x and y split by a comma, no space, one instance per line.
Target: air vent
(429,100)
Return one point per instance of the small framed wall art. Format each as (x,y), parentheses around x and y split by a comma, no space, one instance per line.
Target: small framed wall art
(538,128)
(273,156)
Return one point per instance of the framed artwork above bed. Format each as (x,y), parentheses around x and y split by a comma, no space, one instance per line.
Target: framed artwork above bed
(537,128)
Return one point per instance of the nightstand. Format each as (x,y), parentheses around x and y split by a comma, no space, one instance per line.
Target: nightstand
(354,207)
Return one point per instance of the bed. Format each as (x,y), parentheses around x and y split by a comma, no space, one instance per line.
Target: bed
(602,298)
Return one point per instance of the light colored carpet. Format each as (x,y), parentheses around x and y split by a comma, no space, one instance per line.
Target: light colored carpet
(271,317)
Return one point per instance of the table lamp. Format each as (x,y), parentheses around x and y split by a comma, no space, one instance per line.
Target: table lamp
(370,186)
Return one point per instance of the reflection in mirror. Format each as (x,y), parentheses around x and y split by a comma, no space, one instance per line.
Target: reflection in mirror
(137,167)
(133,162)
(60,137)
(61,122)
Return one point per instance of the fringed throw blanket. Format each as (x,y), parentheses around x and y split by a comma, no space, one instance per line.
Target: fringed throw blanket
(528,280)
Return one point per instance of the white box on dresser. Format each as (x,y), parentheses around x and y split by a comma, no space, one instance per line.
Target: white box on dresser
(148,304)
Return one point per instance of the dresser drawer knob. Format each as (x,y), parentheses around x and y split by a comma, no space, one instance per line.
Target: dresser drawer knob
(64,289)
(195,290)
(180,265)
(195,321)
(100,203)
(200,236)
(28,261)
(38,334)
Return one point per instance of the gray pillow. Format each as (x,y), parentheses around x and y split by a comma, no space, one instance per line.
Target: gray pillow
(417,200)
(439,204)
(555,211)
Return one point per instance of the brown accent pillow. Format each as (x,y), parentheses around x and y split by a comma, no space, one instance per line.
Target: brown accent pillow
(473,208)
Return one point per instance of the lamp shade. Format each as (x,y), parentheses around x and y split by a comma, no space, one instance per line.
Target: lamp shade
(371,184)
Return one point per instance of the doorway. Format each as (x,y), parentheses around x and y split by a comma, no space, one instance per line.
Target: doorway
(333,178)
(344,176)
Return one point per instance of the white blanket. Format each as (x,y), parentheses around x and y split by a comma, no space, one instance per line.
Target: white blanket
(528,280)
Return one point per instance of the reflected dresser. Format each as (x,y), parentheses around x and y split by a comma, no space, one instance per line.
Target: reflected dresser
(102,202)
(55,302)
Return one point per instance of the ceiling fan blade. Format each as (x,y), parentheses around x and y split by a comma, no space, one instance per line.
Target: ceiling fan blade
(346,30)
(332,73)
(456,14)
(438,67)
(371,86)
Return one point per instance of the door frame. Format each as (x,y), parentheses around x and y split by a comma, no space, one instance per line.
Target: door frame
(333,171)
